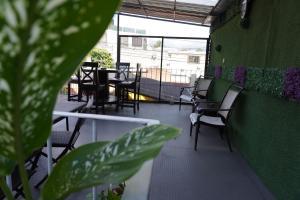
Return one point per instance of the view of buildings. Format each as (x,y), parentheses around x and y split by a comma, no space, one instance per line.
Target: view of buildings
(183,59)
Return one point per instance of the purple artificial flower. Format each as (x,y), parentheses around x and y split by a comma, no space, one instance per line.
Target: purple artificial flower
(218,71)
(291,87)
(240,75)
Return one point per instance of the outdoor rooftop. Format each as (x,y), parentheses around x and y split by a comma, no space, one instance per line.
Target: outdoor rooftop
(179,172)
(150,56)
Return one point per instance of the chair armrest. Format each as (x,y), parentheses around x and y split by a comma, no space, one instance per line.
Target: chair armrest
(187,87)
(204,110)
(229,109)
(209,111)
(183,88)
(212,103)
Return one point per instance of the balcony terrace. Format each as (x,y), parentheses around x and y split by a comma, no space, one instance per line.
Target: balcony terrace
(179,172)
(153,48)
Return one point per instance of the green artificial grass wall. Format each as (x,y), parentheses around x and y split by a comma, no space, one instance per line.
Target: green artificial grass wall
(265,128)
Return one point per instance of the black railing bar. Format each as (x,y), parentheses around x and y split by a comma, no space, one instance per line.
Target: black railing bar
(165,37)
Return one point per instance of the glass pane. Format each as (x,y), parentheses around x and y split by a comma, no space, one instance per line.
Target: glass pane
(109,39)
(200,2)
(141,26)
(183,62)
(147,52)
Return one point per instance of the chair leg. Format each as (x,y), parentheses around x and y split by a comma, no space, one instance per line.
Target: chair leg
(134,101)
(118,98)
(19,192)
(67,123)
(196,137)
(221,132)
(103,107)
(37,186)
(122,96)
(61,155)
(228,140)
(180,104)
(34,163)
(96,102)
(46,155)
(79,93)
(69,91)
(193,107)
(191,129)
(138,100)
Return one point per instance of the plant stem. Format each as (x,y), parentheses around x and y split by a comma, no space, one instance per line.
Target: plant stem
(7,192)
(25,182)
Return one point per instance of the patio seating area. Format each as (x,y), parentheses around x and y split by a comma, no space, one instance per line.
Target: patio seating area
(150,100)
(179,172)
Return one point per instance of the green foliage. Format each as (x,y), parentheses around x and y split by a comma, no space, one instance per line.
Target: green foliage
(112,196)
(106,162)
(228,73)
(42,43)
(254,79)
(109,195)
(264,80)
(157,44)
(211,70)
(102,56)
(273,81)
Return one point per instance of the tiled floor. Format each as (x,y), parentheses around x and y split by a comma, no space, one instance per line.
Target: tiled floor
(211,173)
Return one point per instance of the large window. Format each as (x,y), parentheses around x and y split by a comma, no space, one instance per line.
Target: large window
(137,42)
(163,77)
(194,59)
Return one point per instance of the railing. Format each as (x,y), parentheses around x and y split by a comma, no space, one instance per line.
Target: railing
(135,194)
(172,80)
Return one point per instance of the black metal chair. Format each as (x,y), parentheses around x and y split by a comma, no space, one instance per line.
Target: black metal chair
(65,140)
(222,112)
(123,71)
(89,83)
(198,91)
(126,87)
(31,165)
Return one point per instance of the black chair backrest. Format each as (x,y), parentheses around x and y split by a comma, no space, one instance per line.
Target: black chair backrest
(229,100)
(89,72)
(203,84)
(123,70)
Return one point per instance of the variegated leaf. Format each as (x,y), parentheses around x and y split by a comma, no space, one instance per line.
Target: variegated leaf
(42,42)
(101,162)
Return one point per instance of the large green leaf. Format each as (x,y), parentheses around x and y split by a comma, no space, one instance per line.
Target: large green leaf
(99,163)
(42,42)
